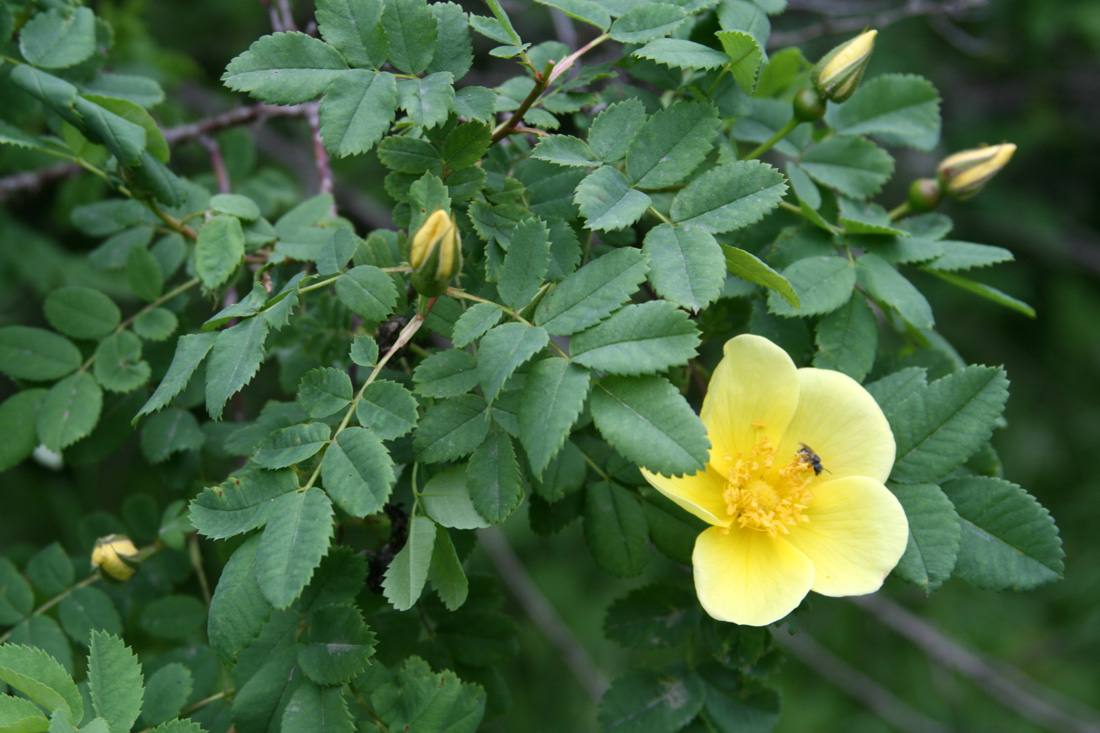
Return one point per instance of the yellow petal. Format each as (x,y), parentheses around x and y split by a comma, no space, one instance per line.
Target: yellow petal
(756,382)
(843,424)
(699,493)
(749,578)
(856,534)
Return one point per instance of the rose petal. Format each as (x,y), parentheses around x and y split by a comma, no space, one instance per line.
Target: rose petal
(699,493)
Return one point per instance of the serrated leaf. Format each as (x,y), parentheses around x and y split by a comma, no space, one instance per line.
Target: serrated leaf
(649,422)
(681,54)
(585,11)
(591,293)
(653,616)
(408,571)
(416,696)
(643,701)
(750,268)
(447,373)
(466,143)
(888,286)
(613,129)
(428,101)
(553,396)
(125,140)
(1009,540)
(236,356)
(357,110)
(114,681)
(729,196)
(57,39)
(41,678)
(387,409)
(324,390)
(737,707)
(168,689)
(351,26)
(607,201)
(36,354)
(173,617)
(956,256)
(338,646)
(645,338)
(293,444)
(313,709)
(86,610)
(295,539)
(745,58)
(170,432)
(156,324)
(18,419)
(451,429)
(986,291)
(615,529)
(934,535)
(191,349)
(82,313)
(69,411)
(238,610)
(240,503)
(17,714)
(938,428)
(285,68)
(118,365)
(503,350)
(232,204)
(525,264)
(411,30)
(898,109)
(16,596)
(671,144)
(852,165)
(647,22)
(454,51)
(847,339)
(409,155)
(446,498)
(862,217)
(494,478)
(821,284)
(51,570)
(445,573)
(364,351)
(565,150)
(219,250)
(368,292)
(357,472)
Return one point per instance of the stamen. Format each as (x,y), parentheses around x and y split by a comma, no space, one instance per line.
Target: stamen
(760,497)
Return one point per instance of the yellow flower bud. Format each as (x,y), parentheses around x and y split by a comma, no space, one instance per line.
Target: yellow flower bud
(837,75)
(436,253)
(964,174)
(115,556)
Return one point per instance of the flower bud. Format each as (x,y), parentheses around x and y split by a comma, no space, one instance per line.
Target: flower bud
(809,106)
(436,254)
(925,194)
(837,75)
(964,174)
(116,557)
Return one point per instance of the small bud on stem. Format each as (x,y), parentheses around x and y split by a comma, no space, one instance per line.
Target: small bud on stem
(436,254)
(837,75)
(964,174)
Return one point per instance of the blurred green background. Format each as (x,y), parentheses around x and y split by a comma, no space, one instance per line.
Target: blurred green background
(1024,71)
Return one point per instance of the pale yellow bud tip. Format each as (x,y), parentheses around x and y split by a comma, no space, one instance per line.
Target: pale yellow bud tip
(434,228)
(965,173)
(115,556)
(837,75)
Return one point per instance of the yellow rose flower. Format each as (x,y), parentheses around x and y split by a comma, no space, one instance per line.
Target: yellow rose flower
(116,556)
(793,488)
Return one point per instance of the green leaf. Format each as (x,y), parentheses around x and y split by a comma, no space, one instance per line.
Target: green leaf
(118,365)
(387,409)
(805,189)
(649,422)
(236,205)
(41,678)
(69,411)
(734,706)
(937,429)
(645,338)
(898,109)
(647,22)
(114,681)
(408,571)
(451,429)
(447,373)
(173,617)
(338,645)
(934,535)
(86,610)
(888,286)
(237,354)
(81,313)
(55,93)
(466,143)
(418,699)
(729,196)
(847,339)
(503,350)
(565,150)
(653,616)
(852,165)
(446,574)
(428,101)
(219,250)
(748,267)
(411,31)
(643,701)
(591,293)
(56,39)
(324,390)
(313,709)
(446,498)
(988,292)
(859,217)
(51,570)
(525,264)
(240,503)
(553,397)
(681,54)
(170,432)
(351,26)
(17,714)
(671,144)
(179,726)
(745,58)
(268,691)
(125,139)
(131,112)
(295,539)
(957,256)
(16,596)
(168,690)
(454,50)
(238,610)
(18,419)
(285,68)
(409,155)
(615,529)
(191,349)
(156,324)
(364,351)
(821,284)
(607,201)
(614,129)
(368,292)
(893,390)
(36,354)
(585,11)
(358,108)
(143,274)
(357,472)
(294,444)
(494,478)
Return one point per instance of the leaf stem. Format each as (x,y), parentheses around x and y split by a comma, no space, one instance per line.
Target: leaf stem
(781,133)
(541,82)
(456,293)
(664,219)
(899,211)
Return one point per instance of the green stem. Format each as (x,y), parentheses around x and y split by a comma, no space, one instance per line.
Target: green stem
(664,219)
(542,79)
(595,467)
(781,133)
(462,294)
(899,211)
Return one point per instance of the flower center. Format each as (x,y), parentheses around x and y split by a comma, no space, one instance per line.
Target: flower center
(766,497)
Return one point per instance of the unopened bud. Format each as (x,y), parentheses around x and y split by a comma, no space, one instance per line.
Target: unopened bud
(964,174)
(809,106)
(925,194)
(837,75)
(116,557)
(436,254)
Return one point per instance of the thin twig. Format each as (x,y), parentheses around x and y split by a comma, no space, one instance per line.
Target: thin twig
(855,684)
(1005,684)
(528,595)
(217,162)
(910,9)
(273,16)
(287,15)
(320,155)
